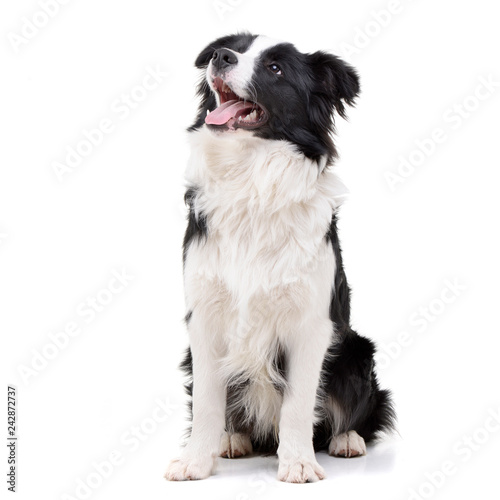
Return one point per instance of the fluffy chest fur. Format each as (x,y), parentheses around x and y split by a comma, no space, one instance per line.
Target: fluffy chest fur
(267,209)
(264,270)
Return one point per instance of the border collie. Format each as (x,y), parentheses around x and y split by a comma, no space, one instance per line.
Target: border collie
(274,364)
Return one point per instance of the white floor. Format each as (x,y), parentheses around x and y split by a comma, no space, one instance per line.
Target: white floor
(255,477)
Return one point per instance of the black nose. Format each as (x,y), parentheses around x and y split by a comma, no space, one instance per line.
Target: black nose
(223,58)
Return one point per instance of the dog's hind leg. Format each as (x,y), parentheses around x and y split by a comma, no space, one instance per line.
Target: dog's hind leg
(355,410)
(234,445)
(347,445)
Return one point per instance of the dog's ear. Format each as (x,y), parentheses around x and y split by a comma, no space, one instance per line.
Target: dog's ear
(206,54)
(336,82)
(238,42)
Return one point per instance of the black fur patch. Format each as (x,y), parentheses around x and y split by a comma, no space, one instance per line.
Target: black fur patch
(197,225)
(340,304)
(313,86)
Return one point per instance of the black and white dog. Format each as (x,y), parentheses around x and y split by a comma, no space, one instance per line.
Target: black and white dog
(274,362)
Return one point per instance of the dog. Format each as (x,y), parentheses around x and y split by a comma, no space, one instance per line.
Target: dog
(273,364)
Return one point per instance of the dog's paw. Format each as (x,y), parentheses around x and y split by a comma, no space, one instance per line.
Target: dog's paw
(235,445)
(300,470)
(183,469)
(347,445)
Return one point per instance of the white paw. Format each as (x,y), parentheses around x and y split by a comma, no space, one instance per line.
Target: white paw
(300,470)
(235,445)
(347,445)
(183,469)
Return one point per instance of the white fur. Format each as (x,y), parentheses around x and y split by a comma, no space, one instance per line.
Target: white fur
(349,444)
(235,445)
(300,471)
(265,271)
(190,468)
(198,458)
(262,277)
(335,414)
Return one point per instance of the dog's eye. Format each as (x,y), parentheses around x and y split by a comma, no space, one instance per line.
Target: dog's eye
(275,69)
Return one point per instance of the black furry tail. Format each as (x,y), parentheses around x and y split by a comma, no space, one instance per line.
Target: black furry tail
(351,396)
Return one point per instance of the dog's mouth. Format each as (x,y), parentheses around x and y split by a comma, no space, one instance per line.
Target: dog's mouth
(234,111)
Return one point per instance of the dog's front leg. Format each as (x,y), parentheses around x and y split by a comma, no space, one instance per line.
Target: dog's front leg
(305,354)
(198,458)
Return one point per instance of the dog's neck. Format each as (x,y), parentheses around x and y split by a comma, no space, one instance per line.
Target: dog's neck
(232,169)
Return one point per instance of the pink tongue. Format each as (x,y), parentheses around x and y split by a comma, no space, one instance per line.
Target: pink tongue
(228,110)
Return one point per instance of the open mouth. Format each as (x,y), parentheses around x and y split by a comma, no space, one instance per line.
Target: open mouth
(234,111)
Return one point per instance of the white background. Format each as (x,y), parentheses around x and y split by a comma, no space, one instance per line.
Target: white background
(121,209)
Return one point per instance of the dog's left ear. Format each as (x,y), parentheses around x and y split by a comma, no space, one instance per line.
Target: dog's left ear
(205,55)
(336,81)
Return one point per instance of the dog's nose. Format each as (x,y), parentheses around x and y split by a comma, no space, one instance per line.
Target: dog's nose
(223,59)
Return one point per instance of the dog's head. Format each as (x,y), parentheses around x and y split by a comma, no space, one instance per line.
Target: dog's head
(269,89)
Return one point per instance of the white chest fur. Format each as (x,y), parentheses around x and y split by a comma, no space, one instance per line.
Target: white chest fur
(264,273)
(268,209)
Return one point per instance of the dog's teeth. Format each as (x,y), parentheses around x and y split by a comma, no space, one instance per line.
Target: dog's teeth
(251,116)
(208,112)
